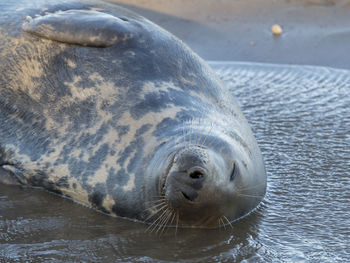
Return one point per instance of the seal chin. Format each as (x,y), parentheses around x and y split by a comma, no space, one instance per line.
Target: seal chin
(197,188)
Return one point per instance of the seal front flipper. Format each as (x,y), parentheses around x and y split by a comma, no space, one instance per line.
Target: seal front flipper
(10,175)
(81,27)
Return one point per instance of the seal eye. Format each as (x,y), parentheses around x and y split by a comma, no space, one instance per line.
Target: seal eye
(196,174)
(124,19)
(233,174)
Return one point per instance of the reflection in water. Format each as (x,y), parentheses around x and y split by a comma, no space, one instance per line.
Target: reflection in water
(301,119)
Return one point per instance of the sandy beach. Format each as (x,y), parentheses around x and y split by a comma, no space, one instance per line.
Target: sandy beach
(315,32)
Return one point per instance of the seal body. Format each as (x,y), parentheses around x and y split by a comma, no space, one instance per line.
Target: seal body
(101,105)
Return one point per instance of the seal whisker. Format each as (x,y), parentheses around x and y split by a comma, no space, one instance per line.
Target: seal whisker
(152,227)
(220,222)
(154,223)
(198,142)
(149,227)
(213,143)
(184,134)
(176,139)
(206,221)
(252,196)
(165,221)
(210,142)
(156,212)
(200,221)
(172,218)
(228,221)
(199,135)
(190,138)
(158,197)
(158,220)
(157,206)
(159,200)
(159,225)
(177,222)
(249,188)
(219,225)
(208,134)
(223,223)
(155,202)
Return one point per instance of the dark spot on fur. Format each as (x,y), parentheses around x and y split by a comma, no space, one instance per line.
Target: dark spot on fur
(63,182)
(76,167)
(153,102)
(41,179)
(112,180)
(92,139)
(137,155)
(122,176)
(126,153)
(144,128)
(122,130)
(97,159)
(97,197)
(121,208)
(162,127)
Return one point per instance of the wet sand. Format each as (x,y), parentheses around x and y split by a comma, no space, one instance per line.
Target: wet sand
(315,32)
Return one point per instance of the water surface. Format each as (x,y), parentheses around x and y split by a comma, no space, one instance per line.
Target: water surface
(301,118)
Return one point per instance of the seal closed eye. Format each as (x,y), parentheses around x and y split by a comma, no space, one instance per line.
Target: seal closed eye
(81,27)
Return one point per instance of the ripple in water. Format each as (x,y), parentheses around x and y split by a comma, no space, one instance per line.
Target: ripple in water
(301,118)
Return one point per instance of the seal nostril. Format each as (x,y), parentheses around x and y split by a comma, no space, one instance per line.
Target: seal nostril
(196,174)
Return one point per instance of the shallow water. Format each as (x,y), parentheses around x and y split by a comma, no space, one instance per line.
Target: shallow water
(301,119)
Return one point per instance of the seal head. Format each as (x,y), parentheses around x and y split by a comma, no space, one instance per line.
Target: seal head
(205,183)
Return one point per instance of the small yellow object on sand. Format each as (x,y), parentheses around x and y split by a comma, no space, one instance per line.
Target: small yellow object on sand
(276,30)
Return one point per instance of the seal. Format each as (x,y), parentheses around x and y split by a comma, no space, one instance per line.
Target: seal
(102,106)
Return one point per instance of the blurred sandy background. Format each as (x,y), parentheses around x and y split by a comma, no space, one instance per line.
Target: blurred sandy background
(315,32)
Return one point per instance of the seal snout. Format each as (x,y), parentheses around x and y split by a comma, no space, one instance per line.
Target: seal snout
(186,177)
(184,186)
